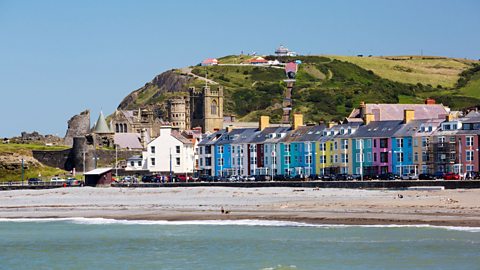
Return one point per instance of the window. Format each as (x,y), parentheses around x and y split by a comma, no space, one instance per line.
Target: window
(369,157)
(208,162)
(177,149)
(208,150)
(213,107)
(469,156)
(335,145)
(470,168)
(375,157)
(368,143)
(374,143)
(400,157)
(152,149)
(220,149)
(323,159)
(384,157)
(132,163)
(201,162)
(415,157)
(335,158)
(469,141)
(139,163)
(425,141)
(308,159)
(359,143)
(287,147)
(287,159)
(344,158)
(415,142)
(178,161)
(400,143)
(152,160)
(344,144)
(220,162)
(424,157)
(383,143)
(322,147)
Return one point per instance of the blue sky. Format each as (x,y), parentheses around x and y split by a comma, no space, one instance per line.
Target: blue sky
(58,58)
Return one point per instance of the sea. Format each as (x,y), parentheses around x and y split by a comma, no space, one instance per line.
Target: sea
(82,243)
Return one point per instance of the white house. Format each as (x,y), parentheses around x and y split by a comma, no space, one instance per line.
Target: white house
(136,163)
(170,152)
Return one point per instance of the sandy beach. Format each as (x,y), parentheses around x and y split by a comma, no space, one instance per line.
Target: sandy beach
(319,206)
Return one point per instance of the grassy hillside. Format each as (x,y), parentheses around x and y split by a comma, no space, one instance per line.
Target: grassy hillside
(327,87)
(413,69)
(10,162)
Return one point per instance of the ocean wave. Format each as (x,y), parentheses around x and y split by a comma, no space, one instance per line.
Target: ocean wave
(240,222)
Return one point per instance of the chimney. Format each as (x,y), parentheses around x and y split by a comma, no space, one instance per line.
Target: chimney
(430,101)
(369,117)
(165,130)
(363,109)
(331,124)
(297,121)
(449,117)
(408,115)
(264,122)
(229,128)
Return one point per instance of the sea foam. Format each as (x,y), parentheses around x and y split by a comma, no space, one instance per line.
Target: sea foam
(240,222)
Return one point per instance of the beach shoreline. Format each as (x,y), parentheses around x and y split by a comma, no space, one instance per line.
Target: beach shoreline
(460,208)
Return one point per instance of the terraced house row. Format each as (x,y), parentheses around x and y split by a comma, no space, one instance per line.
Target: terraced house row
(374,139)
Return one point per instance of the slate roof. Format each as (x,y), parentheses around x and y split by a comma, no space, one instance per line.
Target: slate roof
(387,112)
(378,129)
(414,127)
(128,140)
(265,137)
(180,137)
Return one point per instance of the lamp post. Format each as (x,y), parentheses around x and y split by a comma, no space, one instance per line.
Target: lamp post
(116,160)
(23,171)
(170,164)
(361,159)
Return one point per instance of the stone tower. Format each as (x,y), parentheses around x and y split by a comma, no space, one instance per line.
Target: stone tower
(206,108)
(178,113)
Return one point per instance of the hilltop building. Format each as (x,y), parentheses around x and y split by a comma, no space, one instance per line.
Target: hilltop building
(284,51)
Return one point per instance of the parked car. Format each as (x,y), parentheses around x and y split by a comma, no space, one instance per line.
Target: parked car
(389,176)
(34,181)
(427,176)
(72,181)
(410,176)
(439,175)
(344,176)
(57,180)
(451,176)
(371,177)
(329,177)
(472,175)
(263,177)
(183,178)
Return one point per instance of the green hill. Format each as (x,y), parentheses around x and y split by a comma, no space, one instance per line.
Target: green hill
(327,87)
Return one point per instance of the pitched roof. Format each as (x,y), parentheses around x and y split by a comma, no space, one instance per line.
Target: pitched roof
(101,126)
(181,138)
(128,140)
(387,112)
(378,129)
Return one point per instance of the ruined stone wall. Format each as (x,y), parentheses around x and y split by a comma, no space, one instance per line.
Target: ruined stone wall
(78,126)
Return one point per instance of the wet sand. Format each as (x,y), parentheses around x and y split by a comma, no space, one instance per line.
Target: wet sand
(318,206)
